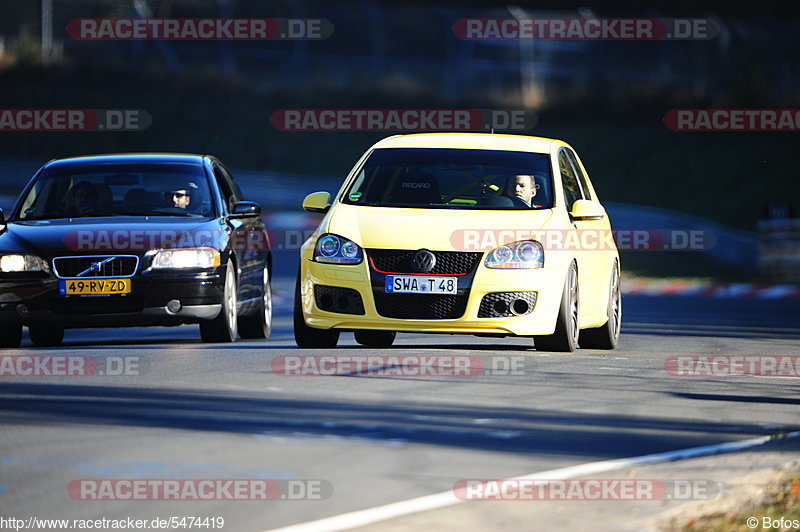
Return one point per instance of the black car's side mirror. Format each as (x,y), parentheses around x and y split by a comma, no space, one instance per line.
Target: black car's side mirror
(2,217)
(246,209)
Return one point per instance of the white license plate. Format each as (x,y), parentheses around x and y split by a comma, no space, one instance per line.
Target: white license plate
(421,284)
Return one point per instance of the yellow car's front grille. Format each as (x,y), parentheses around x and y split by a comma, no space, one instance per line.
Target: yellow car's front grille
(399,261)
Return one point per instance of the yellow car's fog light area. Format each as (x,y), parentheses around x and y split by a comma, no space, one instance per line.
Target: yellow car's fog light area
(547,281)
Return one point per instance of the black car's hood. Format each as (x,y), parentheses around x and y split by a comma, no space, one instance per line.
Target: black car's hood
(112,235)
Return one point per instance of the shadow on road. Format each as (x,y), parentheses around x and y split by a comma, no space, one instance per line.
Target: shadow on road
(738,398)
(493,429)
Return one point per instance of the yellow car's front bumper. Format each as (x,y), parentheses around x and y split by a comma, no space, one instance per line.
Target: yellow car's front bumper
(548,282)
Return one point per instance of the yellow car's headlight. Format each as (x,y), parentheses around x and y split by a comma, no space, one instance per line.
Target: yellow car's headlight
(528,254)
(185,258)
(334,249)
(20,263)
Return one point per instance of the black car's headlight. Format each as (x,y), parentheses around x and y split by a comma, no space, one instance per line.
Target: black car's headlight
(185,258)
(528,254)
(21,263)
(334,249)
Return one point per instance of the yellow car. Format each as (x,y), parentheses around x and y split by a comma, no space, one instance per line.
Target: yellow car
(484,234)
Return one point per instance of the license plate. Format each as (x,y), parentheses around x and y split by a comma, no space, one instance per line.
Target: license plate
(95,287)
(421,284)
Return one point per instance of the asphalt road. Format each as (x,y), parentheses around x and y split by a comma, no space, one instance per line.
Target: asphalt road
(198,411)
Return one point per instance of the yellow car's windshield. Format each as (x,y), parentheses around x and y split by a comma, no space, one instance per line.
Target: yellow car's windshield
(453,178)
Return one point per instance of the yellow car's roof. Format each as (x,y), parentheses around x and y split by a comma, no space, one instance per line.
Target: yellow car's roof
(482,141)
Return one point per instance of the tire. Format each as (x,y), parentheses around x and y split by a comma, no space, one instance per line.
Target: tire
(46,335)
(309,337)
(375,338)
(223,328)
(11,335)
(607,336)
(259,325)
(565,337)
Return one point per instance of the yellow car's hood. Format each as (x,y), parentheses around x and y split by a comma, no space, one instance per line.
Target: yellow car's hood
(435,229)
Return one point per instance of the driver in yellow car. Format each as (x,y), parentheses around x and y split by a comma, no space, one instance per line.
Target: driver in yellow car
(524,187)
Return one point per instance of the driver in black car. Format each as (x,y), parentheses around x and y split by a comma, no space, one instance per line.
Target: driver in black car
(181,197)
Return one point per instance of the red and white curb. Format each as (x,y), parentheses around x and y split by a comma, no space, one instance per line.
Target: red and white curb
(706,289)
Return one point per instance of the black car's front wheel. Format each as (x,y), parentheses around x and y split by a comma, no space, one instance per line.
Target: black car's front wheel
(309,337)
(259,325)
(10,335)
(46,335)
(224,327)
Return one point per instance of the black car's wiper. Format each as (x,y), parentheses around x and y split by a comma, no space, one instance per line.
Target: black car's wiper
(158,213)
(65,216)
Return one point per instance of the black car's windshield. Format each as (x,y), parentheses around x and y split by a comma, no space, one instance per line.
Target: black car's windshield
(453,178)
(118,189)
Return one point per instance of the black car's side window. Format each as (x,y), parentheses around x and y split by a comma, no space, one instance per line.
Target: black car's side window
(237,194)
(572,189)
(226,187)
(578,172)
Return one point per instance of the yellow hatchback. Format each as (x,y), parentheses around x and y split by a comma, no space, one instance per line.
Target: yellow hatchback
(491,235)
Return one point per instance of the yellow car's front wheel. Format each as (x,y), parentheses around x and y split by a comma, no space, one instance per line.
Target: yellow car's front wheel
(565,337)
(607,336)
(309,337)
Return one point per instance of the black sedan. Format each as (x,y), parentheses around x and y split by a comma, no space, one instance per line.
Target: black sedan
(134,240)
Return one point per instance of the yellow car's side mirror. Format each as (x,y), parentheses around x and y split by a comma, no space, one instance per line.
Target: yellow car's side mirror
(587,210)
(318,202)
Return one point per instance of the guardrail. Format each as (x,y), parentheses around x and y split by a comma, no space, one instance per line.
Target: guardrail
(779,249)
(730,246)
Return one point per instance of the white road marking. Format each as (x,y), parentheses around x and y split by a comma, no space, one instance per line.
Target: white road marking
(447,498)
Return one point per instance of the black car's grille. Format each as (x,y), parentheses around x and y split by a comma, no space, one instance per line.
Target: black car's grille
(118,266)
(447,262)
(420,306)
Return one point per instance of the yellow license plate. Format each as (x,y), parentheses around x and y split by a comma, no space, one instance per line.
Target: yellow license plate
(96,287)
